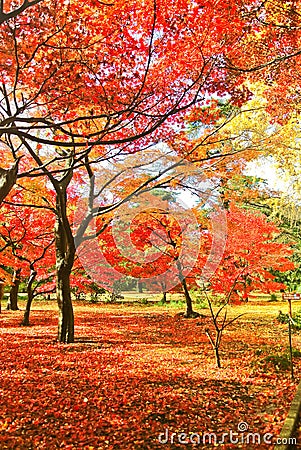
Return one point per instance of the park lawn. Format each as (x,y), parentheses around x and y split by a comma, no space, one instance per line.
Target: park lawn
(136,371)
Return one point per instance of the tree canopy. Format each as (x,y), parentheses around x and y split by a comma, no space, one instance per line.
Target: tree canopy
(85,85)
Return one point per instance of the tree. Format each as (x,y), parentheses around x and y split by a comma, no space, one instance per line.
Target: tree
(12,302)
(251,252)
(161,248)
(220,323)
(84,83)
(287,213)
(31,289)
(27,234)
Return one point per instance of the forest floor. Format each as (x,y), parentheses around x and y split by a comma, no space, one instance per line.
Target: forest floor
(140,375)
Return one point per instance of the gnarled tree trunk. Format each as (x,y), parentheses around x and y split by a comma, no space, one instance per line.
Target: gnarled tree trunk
(33,274)
(65,253)
(190,313)
(66,316)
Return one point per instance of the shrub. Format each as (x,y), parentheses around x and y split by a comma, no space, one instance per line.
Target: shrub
(273,298)
(297,319)
(280,360)
(283,318)
(201,301)
(296,353)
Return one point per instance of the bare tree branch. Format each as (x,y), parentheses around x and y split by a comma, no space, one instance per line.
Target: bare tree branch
(4,17)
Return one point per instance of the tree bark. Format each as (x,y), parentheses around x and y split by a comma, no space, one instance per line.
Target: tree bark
(1,293)
(33,274)
(217,357)
(65,253)
(140,286)
(66,316)
(12,303)
(8,179)
(190,313)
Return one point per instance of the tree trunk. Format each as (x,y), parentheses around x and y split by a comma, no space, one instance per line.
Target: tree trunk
(1,293)
(7,180)
(217,358)
(25,321)
(189,310)
(13,295)
(65,253)
(216,344)
(140,286)
(66,316)
(164,299)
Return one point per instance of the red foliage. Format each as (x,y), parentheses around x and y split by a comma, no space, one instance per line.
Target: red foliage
(132,375)
(26,238)
(251,251)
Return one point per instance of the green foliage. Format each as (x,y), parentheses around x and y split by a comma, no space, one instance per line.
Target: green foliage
(291,278)
(291,232)
(173,304)
(273,297)
(108,297)
(97,289)
(164,194)
(200,300)
(23,286)
(279,359)
(280,362)
(283,318)
(296,353)
(226,108)
(96,292)
(127,284)
(297,319)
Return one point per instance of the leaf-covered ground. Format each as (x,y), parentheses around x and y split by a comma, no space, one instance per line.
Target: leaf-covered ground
(136,372)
